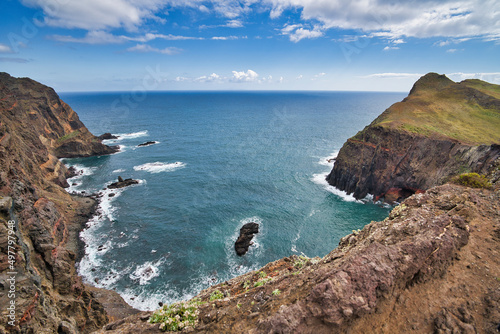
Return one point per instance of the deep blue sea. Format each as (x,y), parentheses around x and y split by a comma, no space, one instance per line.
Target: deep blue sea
(221,159)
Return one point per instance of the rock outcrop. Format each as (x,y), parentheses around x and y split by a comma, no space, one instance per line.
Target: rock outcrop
(244,240)
(147,143)
(121,183)
(107,136)
(441,129)
(36,129)
(430,267)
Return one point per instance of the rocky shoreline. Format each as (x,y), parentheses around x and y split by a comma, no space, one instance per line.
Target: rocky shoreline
(431,266)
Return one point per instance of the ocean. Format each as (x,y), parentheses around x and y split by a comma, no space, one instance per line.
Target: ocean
(220,160)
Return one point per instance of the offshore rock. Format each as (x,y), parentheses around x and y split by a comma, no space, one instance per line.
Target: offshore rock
(441,129)
(147,143)
(245,239)
(121,183)
(107,136)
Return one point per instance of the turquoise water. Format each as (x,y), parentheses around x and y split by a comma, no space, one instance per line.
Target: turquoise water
(221,159)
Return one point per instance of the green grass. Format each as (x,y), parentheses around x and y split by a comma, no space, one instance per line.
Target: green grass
(472,180)
(68,136)
(452,111)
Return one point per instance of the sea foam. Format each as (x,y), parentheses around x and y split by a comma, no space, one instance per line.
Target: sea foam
(158,167)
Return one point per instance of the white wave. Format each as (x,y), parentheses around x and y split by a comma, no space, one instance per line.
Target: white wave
(75,182)
(321,180)
(328,160)
(158,167)
(294,242)
(121,170)
(147,271)
(132,135)
(94,240)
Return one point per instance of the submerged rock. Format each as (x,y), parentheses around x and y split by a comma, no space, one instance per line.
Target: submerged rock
(245,239)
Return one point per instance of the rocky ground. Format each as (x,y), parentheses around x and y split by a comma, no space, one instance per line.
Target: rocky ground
(432,266)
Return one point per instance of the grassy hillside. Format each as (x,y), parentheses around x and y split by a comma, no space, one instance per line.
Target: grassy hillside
(468,111)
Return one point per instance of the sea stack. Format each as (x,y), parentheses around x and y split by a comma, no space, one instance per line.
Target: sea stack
(245,239)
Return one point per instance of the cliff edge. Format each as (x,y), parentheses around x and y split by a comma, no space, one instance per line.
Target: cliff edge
(39,220)
(441,129)
(432,266)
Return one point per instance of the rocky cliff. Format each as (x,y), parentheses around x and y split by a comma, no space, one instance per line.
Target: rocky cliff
(432,266)
(441,129)
(39,220)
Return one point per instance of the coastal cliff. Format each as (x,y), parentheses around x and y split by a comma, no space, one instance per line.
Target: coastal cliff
(432,266)
(39,220)
(441,129)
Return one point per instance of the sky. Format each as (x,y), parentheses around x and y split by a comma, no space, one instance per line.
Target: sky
(144,45)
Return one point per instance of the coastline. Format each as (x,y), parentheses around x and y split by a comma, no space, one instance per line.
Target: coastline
(114,305)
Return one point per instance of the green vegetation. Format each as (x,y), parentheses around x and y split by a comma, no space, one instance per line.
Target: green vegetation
(276,292)
(68,136)
(468,111)
(246,285)
(216,295)
(262,274)
(301,261)
(473,180)
(177,316)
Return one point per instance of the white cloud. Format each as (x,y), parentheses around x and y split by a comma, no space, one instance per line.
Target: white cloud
(421,19)
(92,37)
(242,76)
(452,50)
(297,32)
(97,14)
(103,37)
(492,77)
(180,79)
(211,78)
(388,48)
(299,77)
(224,38)
(393,75)
(234,24)
(382,18)
(148,48)
(5,48)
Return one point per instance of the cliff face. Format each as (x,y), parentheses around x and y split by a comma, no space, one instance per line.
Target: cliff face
(441,129)
(37,128)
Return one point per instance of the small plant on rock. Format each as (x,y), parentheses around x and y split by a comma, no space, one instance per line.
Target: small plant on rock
(216,295)
(473,180)
(276,292)
(177,316)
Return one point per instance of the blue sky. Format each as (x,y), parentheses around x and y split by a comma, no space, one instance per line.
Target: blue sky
(126,45)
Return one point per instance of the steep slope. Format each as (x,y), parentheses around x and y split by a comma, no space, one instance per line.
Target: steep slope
(432,266)
(37,128)
(441,129)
